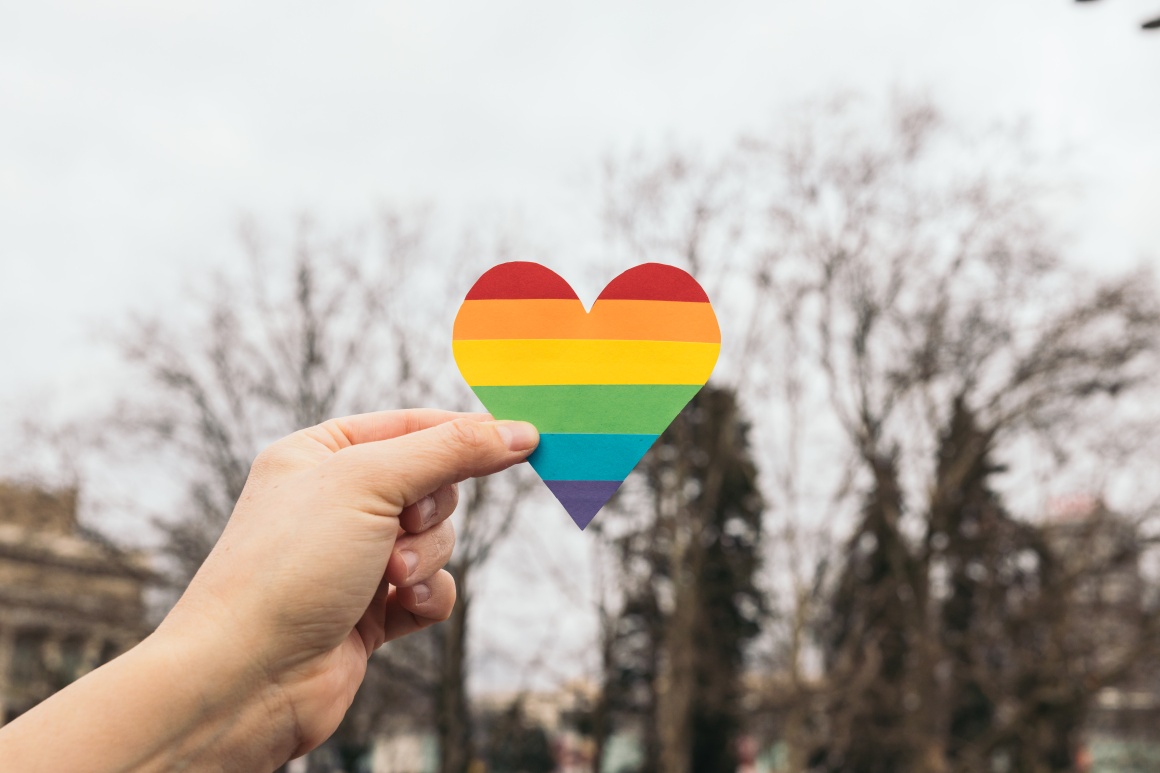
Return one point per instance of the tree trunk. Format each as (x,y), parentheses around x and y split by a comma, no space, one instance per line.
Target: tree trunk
(453,715)
(675,691)
(600,711)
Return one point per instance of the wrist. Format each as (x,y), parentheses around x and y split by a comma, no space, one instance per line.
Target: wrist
(173,702)
(239,716)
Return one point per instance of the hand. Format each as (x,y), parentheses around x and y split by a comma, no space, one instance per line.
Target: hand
(336,545)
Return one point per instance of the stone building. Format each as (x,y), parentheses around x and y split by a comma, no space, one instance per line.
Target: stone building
(68,600)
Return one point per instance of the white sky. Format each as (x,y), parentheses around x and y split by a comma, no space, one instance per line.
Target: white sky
(134,134)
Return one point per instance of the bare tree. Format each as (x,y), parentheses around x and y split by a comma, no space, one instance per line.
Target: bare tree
(892,299)
(943,310)
(687,541)
(341,325)
(265,351)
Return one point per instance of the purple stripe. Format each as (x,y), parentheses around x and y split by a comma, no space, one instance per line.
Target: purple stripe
(583,498)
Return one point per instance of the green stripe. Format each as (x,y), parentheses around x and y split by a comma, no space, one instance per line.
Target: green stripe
(638,409)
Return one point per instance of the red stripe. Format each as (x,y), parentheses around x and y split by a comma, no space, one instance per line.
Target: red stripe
(519,280)
(654,282)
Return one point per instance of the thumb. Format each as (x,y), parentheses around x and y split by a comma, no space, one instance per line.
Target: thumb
(405,469)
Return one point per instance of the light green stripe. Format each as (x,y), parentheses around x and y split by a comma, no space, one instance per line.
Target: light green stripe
(635,409)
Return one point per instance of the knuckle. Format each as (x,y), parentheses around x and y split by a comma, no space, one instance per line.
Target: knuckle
(469,434)
(446,540)
(451,499)
(333,431)
(268,460)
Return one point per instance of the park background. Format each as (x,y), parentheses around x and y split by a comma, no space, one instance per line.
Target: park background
(908,526)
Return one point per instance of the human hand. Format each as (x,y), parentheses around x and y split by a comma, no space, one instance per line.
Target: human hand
(336,546)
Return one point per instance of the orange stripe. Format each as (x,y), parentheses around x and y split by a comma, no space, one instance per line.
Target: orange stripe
(608,320)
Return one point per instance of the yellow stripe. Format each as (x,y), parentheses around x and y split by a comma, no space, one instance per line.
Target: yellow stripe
(529,362)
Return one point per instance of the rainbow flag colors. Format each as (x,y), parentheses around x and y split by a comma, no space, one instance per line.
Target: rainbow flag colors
(601,385)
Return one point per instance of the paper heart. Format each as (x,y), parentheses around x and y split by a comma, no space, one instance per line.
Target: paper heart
(600,385)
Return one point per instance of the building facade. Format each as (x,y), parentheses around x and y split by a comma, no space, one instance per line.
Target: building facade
(69,601)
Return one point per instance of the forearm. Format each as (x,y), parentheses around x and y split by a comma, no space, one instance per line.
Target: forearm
(244,673)
(168,704)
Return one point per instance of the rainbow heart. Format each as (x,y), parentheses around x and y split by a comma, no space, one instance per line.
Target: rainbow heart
(601,386)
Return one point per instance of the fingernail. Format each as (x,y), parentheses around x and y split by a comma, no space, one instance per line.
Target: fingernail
(422,592)
(427,509)
(411,559)
(518,435)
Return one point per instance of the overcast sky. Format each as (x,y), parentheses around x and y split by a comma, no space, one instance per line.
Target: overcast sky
(134,134)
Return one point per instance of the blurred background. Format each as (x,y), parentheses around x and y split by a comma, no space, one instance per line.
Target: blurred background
(909,525)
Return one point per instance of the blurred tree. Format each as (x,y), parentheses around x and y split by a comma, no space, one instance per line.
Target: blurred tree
(948,314)
(1019,625)
(517,744)
(346,325)
(868,641)
(487,518)
(896,313)
(272,348)
(691,604)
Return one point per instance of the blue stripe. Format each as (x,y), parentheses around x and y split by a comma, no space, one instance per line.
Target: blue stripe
(588,457)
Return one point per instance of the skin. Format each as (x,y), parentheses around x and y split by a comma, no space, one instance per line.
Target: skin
(335,547)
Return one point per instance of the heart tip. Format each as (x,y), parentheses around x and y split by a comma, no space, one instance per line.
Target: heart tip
(583,499)
(581,519)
